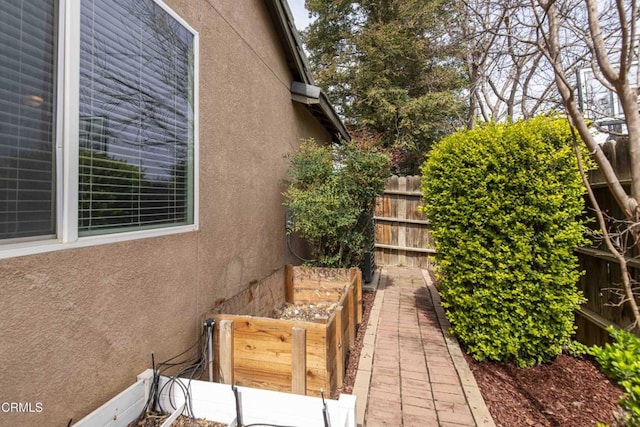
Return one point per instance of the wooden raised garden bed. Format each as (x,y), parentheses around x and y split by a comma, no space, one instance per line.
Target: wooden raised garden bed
(298,356)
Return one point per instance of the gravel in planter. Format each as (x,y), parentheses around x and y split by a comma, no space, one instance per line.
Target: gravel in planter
(317,312)
(156,420)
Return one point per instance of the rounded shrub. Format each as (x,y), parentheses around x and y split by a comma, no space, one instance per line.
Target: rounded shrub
(504,202)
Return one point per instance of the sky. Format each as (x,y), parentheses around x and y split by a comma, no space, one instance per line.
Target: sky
(300,14)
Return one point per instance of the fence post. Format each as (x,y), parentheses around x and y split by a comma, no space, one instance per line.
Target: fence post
(355,276)
(288,281)
(352,314)
(299,360)
(402,214)
(226,351)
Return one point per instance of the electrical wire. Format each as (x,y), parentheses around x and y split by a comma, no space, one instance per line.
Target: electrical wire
(151,400)
(289,229)
(190,367)
(168,363)
(239,415)
(325,411)
(190,371)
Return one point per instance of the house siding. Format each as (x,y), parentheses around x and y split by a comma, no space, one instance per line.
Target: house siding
(77,325)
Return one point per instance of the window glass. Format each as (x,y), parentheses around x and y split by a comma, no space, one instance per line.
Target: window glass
(136,118)
(27,98)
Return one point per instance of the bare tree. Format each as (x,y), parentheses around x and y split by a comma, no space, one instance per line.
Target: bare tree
(609,38)
(507,78)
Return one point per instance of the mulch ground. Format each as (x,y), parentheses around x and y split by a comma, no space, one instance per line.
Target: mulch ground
(568,392)
(353,356)
(565,393)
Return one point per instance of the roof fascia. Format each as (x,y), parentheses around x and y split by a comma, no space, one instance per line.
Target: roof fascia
(299,65)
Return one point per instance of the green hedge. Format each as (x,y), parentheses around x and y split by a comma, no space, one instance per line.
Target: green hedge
(503,202)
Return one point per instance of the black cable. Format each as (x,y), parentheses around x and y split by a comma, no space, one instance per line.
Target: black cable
(293,252)
(236,394)
(289,229)
(152,399)
(191,365)
(190,371)
(154,384)
(325,412)
(199,367)
(171,382)
(167,362)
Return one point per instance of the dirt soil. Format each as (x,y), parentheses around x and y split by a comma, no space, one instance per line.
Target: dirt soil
(353,356)
(569,392)
(566,392)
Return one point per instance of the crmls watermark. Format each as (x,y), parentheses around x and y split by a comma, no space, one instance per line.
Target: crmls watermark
(28,407)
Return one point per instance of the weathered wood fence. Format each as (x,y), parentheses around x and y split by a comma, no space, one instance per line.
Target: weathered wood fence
(602,271)
(402,238)
(402,233)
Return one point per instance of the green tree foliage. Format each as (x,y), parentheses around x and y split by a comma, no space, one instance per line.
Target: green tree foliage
(330,195)
(391,70)
(503,201)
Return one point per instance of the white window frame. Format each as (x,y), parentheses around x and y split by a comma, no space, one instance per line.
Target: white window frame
(67,119)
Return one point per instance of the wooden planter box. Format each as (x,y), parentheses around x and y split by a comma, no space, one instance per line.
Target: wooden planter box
(216,402)
(289,355)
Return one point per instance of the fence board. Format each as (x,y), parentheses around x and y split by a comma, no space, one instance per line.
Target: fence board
(336,353)
(402,238)
(299,361)
(602,271)
(402,231)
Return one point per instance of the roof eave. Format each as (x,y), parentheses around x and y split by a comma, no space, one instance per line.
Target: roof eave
(299,66)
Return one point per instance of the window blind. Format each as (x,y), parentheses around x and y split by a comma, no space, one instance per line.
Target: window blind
(27,99)
(136,118)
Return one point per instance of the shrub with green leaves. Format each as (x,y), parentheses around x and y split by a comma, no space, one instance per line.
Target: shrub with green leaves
(620,361)
(331,193)
(503,201)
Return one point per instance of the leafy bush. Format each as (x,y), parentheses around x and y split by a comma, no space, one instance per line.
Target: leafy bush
(331,194)
(620,361)
(577,349)
(503,202)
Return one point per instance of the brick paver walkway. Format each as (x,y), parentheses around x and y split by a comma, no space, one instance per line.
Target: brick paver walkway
(417,374)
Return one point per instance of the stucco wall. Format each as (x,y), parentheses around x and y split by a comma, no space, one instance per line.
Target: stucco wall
(259,299)
(77,325)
